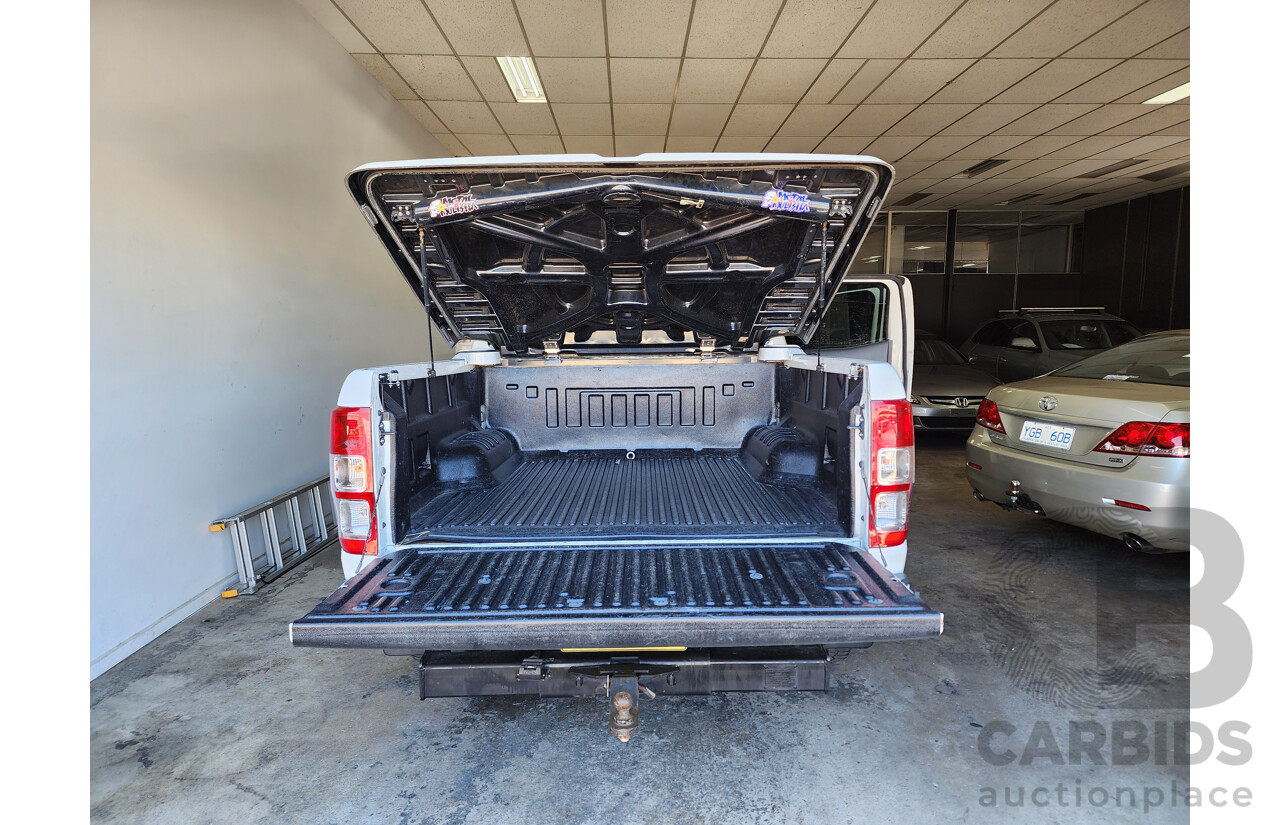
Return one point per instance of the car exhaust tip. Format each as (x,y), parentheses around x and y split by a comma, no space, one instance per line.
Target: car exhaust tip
(1138,543)
(979,496)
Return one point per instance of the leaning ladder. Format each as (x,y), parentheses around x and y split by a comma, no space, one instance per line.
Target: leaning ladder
(287,529)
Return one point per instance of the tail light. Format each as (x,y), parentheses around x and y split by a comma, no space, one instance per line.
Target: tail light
(350,476)
(893,454)
(989,415)
(1148,438)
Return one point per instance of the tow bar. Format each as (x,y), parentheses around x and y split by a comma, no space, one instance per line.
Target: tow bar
(622,679)
(1018,500)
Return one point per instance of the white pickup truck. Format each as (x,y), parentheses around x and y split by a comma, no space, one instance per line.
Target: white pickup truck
(626,481)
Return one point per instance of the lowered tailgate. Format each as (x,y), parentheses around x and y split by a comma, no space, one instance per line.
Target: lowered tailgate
(506,598)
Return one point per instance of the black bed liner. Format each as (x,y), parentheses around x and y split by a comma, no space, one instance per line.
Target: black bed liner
(586,497)
(510,598)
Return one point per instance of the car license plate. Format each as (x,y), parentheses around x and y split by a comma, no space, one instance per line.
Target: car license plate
(1047,435)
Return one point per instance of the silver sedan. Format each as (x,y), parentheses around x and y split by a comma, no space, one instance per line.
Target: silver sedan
(1104,444)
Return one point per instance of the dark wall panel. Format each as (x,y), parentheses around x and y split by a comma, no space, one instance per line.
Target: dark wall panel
(1056,290)
(1135,260)
(977,298)
(930,302)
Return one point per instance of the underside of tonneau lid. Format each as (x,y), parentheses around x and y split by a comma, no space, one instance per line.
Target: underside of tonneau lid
(657,251)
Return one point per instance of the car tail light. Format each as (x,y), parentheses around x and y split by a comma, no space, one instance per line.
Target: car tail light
(989,415)
(1148,438)
(893,454)
(350,468)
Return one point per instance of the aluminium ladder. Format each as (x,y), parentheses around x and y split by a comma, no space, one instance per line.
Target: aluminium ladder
(287,529)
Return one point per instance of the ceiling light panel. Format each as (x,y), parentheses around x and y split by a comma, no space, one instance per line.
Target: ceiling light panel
(523,79)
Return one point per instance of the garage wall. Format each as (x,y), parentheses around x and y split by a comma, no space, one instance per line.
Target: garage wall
(233,284)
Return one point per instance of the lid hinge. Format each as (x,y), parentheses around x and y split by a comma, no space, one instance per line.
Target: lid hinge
(707,347)
(551,351)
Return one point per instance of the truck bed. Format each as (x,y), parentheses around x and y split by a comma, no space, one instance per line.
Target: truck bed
(585,497)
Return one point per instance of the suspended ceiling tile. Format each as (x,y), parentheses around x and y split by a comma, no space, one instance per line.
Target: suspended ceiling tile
(643,79)
(831,80)
(488,144)
(1151,146)
(1100,119)
(896,29)
(435,77)
(741,143)
(1042,167)
(563,28)
(1062,26)
(844,145)
(986,79)
(588,144)
(780,81)
(978,26)
(641,118)
(945,169)
(583,118)
(575,79)
(424,115)
(1178,46)
(904,169)
(793,143)
(939,147)
(452,144)
(712,80)
(730,28)
(1158,87)
(948,185)
(813,27)
(1138,30)
(377,65)
(328,16)
(1055,78)
(988,117)
(630,145)
(480,26)
(870,75)
(929,119)
(687,143)
(525,118)
(814,119)
(872,119)
(758,118)
(915,81)
(892,148)
(632,33)
(1183,129)
(1049,116)
(466,118)
(400,26)
(699,119)
(1122,80)
(911,186)
(1036,147)
(538,144)
(987,147)
(1087,147)
(1160,117)
(1181,148)
(488,78)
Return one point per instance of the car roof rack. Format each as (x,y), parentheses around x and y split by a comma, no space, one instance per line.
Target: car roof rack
(1029,310)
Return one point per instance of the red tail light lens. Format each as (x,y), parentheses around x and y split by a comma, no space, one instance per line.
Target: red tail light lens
(893,456)
(989,415)
(350,477)
(1148,438)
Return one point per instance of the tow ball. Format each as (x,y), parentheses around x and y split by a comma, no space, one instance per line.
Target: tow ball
(622,686)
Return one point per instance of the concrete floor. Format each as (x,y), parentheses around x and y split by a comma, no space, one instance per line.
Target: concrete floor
(220,720)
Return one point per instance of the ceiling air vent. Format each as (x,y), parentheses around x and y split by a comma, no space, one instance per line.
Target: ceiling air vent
(1115,167)
(1167,172)
(1079,197)
(916,198)
(1020,199)
(978,168)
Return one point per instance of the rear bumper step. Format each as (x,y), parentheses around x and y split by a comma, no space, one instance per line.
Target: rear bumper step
(495,598)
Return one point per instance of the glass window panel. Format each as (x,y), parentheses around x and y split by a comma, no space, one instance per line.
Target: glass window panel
(870,257)
(918,242)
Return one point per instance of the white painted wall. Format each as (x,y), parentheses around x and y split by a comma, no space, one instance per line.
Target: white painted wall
(233,284)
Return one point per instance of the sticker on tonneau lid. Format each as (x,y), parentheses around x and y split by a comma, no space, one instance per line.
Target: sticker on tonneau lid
(452,205)
(782,201)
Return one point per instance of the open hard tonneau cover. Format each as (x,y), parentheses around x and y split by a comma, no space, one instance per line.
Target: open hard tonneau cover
(635,251)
